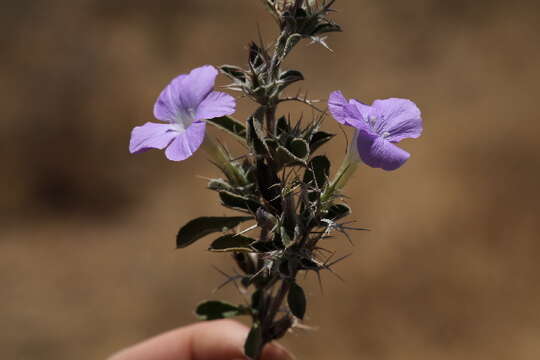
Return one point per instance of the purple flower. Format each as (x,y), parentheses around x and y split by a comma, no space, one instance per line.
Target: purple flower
(183,106)
(378,128)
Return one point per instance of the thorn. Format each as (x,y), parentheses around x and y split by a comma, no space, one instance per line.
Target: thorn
(230,279)
(320,282)
(338,260)
(320,40)
(246,230)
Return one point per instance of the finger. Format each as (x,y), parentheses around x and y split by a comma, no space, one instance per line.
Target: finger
(214,340)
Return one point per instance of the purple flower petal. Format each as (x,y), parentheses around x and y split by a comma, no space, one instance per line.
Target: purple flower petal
(346,112)
(187,142)
(168,102)
(196,86)
(398,119)
(179,101)
(378,127)
(184,103)
(378,152)
(216,104)
(151,135)
(337,104)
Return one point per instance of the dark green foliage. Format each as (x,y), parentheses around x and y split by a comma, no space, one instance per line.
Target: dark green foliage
(257,298)
(230,125)
(254,342)
(231,242)
(326,28)
(219,185)
(213,310)
(318,139)
(280,327)
(283,127)
(200,227)
(297,301)
(299,148)
(338,211)
(269,185)
(238,202)
(317,172)
(277,180)
(258,57)
(288,78)
(235,73)
(256,137)
(306,20)
(285,157)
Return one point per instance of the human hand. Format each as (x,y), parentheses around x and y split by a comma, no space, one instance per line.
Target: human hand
(212,340)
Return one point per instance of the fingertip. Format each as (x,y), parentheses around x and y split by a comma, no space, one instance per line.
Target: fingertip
(275,351)
(218,339)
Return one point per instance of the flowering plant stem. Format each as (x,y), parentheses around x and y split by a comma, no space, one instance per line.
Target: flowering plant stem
(280,183)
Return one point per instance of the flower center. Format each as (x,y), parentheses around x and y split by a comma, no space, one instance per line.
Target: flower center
(377,124)
(183,119)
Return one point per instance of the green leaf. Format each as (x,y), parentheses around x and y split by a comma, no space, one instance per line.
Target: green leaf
(230,125)
(268,184)
(289,77)
(219,185)
(327,28)
(257,299)
(254,342)
(318,139)
(231,242)
(200,227)
(317,172)
(285,157)
(257,55)
(299,148)
(234,72)
(213,310)
(283,126)
(297,301)
(255,135)
(238,202)
(285,238)
(338,211)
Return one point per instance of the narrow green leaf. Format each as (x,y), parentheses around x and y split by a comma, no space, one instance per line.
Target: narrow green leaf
(254,342)
(235,201)
(283,126)
(297,301)
(232,242)
(299,148)
(257,299)
(327,28)
(200,227)
(235,73)
(268,184)
(289,77)
(255,135)
(338,211)
(317,171)
(319,139)
(213,310)
(230,125)
(219,185)
(285,238)
(287,158)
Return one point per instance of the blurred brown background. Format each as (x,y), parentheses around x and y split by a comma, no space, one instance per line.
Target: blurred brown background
(87,259)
